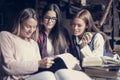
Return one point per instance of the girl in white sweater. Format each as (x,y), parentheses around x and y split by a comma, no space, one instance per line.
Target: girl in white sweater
(20,56)
(87,39)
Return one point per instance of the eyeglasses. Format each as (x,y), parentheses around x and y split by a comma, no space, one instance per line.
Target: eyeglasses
(50,18)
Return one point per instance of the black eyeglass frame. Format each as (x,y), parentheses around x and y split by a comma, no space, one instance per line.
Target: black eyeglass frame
(50,18)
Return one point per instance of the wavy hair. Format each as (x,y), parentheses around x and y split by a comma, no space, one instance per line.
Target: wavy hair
(23,16)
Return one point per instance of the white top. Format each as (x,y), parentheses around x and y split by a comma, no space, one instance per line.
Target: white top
(98,47)
(20,56)
(50,50)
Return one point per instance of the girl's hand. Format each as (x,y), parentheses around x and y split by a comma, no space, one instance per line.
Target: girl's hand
(46,62)
(87,37)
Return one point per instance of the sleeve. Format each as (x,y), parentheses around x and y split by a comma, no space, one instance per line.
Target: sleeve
(37,51)
(98,47)
(13,66)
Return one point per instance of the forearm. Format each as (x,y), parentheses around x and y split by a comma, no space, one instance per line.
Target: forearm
(21,67)
(87,52)
(97,47)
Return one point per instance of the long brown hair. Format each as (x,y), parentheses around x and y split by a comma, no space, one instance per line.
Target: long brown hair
(58,32)
(85,15)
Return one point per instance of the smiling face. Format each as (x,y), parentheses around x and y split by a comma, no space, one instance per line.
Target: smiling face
(49,20)
(78,26)
(28,27)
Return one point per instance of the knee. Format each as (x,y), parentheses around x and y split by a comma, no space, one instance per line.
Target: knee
(48,75)
(66,74)
(45,75)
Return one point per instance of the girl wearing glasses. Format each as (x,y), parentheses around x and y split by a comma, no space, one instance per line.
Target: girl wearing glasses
(54,40)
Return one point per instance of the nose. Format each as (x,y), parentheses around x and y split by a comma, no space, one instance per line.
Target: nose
(50,20)
(75,27)
(32,30)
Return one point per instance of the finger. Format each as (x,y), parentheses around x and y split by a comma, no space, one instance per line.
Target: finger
(50,58)
(87,37)
(84,42)
(83,38)
(90,37)
(50,61)
(48,65)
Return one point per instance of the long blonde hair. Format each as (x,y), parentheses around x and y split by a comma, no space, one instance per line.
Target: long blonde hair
(24,15)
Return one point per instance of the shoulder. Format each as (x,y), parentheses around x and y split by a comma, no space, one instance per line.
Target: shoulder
(6,37)
(5,34)
(98,35)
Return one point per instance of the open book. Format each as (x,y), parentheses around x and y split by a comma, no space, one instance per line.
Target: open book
(101,61)
(70,61)
(109,60)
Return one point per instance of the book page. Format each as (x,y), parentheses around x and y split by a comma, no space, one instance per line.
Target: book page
(92,61)
(101,61)
(70,61)
(110,60)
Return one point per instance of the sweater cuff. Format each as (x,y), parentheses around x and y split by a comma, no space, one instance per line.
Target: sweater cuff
(86,51)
